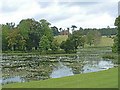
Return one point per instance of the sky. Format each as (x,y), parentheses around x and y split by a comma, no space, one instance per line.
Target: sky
(61,13)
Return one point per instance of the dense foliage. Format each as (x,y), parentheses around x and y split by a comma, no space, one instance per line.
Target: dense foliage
(31,35)
(104,31)
(78,40)
(26,36)
(116,46)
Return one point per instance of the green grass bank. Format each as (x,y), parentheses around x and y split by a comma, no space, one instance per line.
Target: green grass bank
(101,79)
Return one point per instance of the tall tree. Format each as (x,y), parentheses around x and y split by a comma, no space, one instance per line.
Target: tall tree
(60,29)
(73,28)
(73,42)
(44,44)
(31,32)
(47,31)
(117,23)
(6,29)
(67,45)
(55,30)
(115,45)
(55,45)
(68,29)
(78,39)
(15,40)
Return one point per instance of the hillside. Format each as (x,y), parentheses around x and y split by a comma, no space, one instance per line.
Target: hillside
(105,41)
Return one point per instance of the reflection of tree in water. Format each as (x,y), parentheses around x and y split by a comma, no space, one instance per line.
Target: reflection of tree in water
(77,65)
(40,70)
(81,61)
(77,68)
(31,69)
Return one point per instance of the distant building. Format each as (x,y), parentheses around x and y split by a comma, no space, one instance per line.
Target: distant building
(64,32)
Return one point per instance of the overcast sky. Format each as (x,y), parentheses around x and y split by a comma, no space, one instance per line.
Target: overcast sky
(61,13)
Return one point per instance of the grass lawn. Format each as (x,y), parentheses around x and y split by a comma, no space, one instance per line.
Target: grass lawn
(61,38)
(105,41)
(102,79)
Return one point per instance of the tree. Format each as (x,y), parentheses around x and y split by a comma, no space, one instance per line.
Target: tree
(11,25)
(116,46)
(73,42)
(83,41)
(55,31)
(68,29)
(60,29)
(55,45)
(67,46)
(27,34)
(97,37)
(47,31)
(73,28)
(82,31)
(15,40)
(80,28)
(90,37)
(5,32)
(76,39)
(31,32)
(93,37)
(44,44)
(12,42)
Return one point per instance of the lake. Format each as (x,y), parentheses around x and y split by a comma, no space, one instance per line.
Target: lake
(25,68)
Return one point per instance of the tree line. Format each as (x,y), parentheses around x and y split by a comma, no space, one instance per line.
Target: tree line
(31,35)
(104,31)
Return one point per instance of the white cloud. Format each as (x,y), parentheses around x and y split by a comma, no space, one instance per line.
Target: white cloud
(100,21)
(62,15)
(88,21)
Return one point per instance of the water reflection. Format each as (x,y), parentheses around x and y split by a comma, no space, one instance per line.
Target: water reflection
(94,66)
(39,68)
(12,80)
(61,71)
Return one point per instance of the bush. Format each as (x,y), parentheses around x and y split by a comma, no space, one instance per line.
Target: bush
(111,56)
(56,52)
(60,51)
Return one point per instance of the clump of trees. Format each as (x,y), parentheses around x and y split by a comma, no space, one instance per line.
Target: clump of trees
(77,39)
(116,46)
(27,35)
(93,37)
(72,42)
